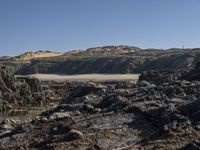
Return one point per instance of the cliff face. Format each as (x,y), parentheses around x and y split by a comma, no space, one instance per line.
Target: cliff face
(83,66)
(108,59)
(110,64)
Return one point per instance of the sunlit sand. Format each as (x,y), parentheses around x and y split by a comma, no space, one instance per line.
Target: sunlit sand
(85,77)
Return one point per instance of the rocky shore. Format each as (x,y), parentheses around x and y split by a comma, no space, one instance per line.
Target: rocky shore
(19,91)
(160,111)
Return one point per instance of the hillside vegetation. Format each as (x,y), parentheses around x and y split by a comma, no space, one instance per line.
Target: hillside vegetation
(108,59)
(34,55)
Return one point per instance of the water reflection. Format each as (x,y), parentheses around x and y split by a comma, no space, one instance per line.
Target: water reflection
(23,113)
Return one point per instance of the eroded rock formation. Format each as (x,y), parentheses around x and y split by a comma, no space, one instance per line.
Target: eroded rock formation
(21,91)
(160,111)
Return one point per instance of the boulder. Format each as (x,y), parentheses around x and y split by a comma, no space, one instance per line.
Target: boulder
(161,76)
(75,134)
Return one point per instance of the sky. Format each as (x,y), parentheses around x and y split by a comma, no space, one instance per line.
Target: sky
(63,25)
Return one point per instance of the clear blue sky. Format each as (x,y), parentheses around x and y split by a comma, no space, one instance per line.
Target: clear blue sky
(61,25)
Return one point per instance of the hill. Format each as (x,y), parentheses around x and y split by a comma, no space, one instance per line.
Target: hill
(34,55)
(108,59)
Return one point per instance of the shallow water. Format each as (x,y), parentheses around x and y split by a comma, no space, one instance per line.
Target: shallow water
(22,114)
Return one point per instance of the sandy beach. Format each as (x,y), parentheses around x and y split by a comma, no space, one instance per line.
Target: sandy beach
(85,77)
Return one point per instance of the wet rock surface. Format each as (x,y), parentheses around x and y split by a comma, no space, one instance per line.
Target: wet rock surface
(164,76)
(114,115)
(26,91)
(160,111)
(193,74)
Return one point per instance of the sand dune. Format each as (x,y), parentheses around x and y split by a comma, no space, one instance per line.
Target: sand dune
(40,54)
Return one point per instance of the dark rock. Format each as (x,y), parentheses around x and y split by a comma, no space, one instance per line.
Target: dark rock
(195,145)
(20,91)
(161,76)
(113,103)
(160,113)
(85,89)
(193,74)
(34,84)
(75,134)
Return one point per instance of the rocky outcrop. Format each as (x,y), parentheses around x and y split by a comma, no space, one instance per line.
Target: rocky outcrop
(115,115)
(20,91)
(163,76)
(160,111)
(194,74)
(111,50)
